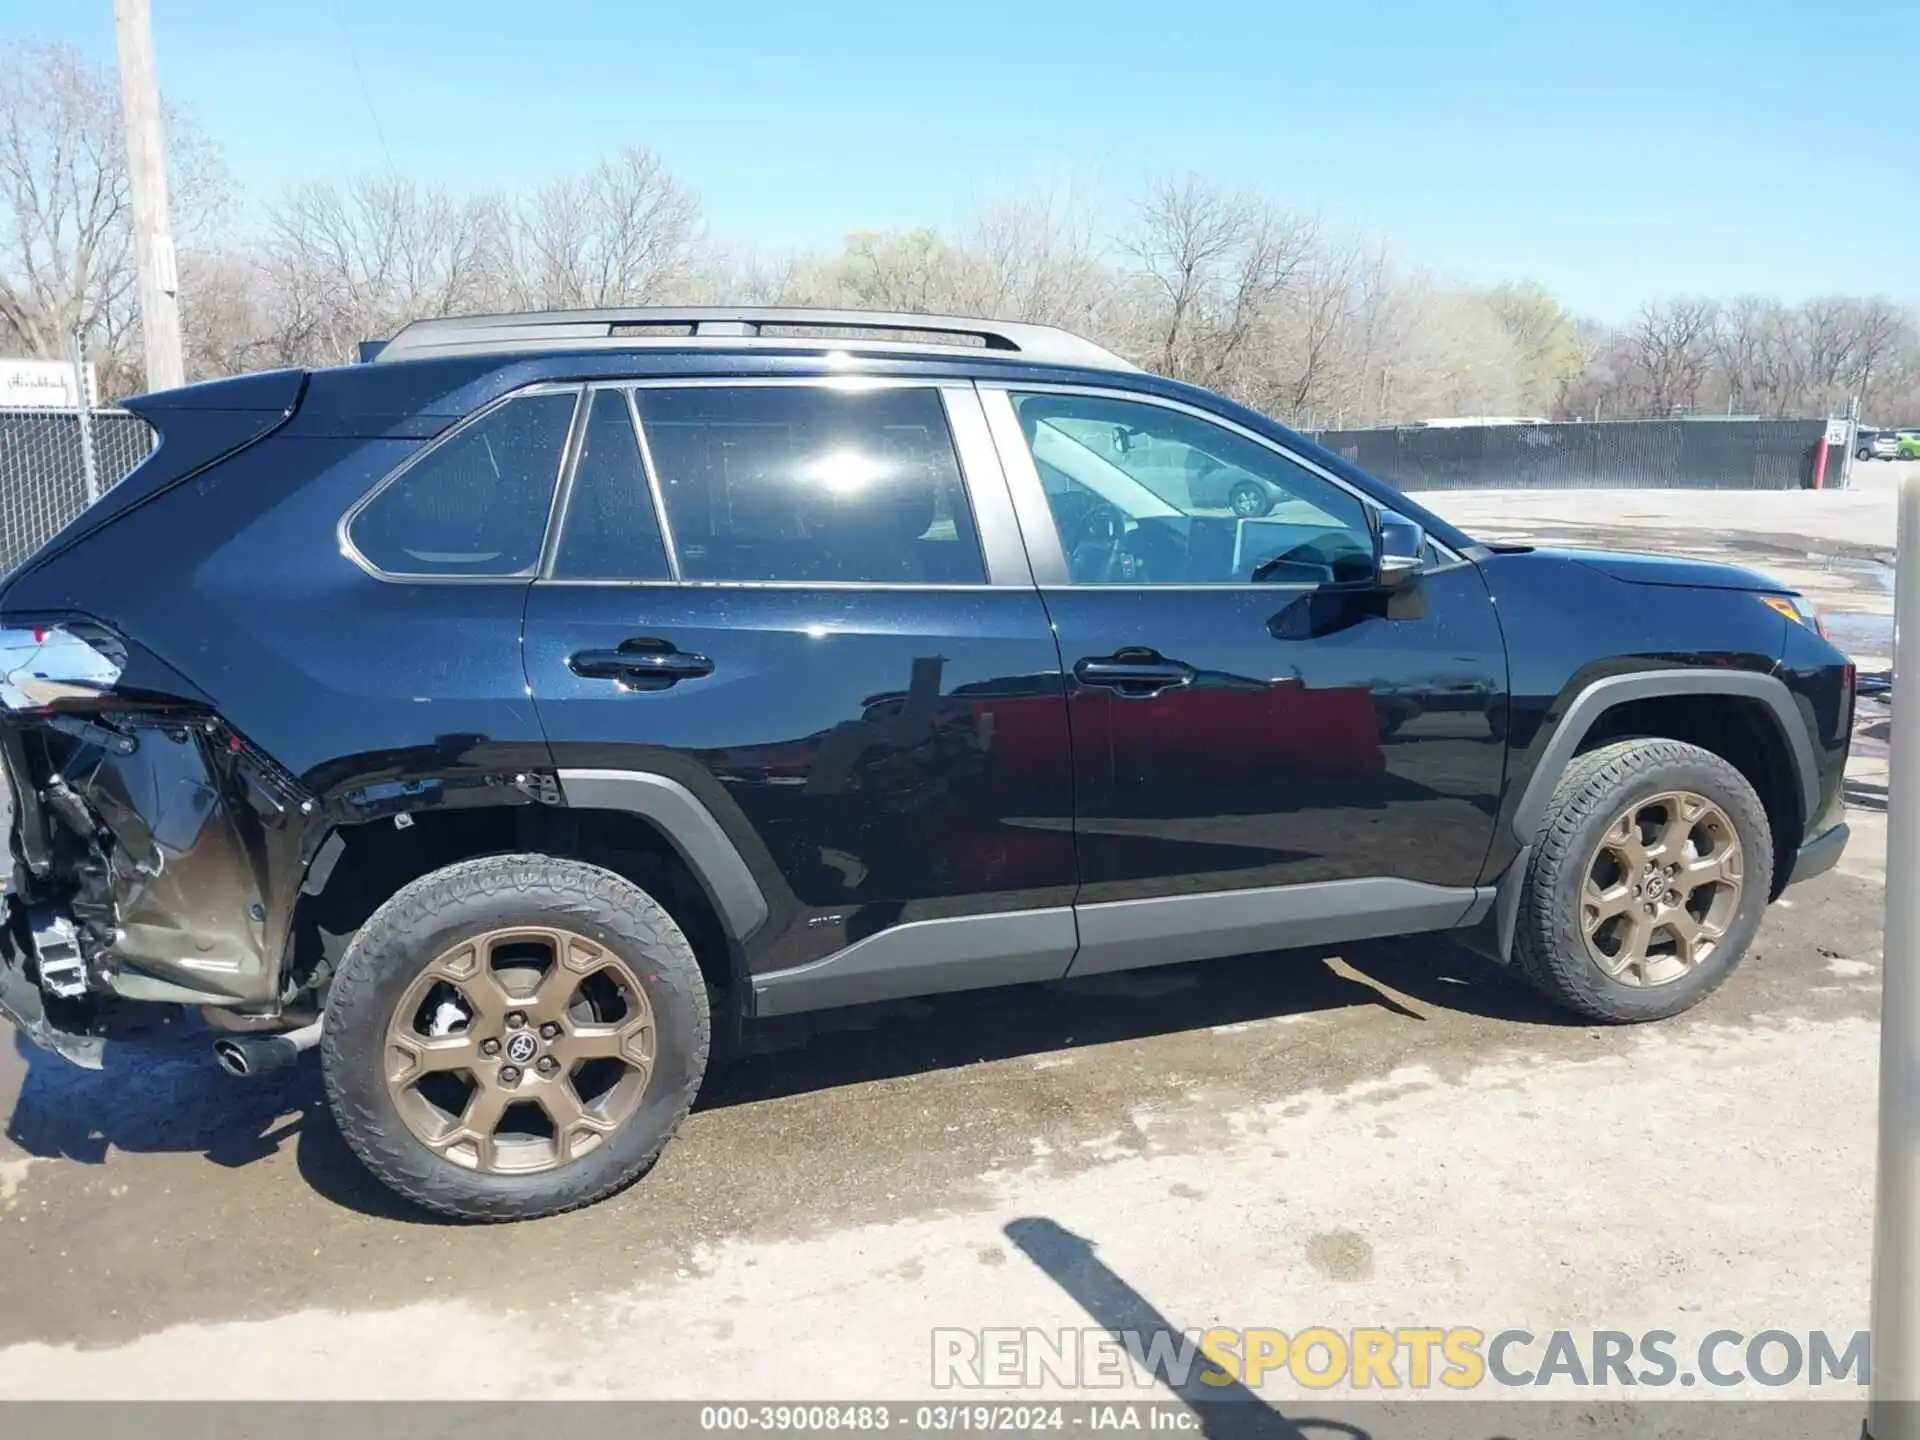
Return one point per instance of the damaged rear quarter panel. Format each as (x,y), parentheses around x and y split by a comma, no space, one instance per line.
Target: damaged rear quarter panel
(175,840)
(368,696)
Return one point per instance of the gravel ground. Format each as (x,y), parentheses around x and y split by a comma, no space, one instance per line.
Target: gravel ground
(1393,1134)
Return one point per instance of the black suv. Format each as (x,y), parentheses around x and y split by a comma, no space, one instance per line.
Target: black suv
(512,713)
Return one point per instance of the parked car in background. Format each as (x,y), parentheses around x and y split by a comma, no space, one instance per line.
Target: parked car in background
(1907,445)
(1876,445)
(510,715)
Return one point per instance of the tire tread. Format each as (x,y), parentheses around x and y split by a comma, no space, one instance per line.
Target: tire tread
(1549,951)
(566,892)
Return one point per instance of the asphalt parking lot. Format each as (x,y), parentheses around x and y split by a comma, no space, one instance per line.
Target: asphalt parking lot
(1393,1134)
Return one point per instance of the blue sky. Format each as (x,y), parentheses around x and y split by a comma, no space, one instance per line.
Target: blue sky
(1617,152)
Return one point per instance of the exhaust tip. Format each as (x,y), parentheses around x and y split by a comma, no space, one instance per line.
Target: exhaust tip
(248,1055)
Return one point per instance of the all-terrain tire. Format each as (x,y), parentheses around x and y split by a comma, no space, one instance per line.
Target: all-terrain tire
(422,921)
(1549,947)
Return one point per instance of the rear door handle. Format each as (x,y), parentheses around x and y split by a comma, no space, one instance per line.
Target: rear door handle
(640,665)
(1135,674)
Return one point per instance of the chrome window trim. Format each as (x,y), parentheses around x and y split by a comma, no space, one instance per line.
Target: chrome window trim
(344,526)
(654,492)
(981,587)
(852,379)
(1000,548)
(1030,497)
(563,507)
(563,492)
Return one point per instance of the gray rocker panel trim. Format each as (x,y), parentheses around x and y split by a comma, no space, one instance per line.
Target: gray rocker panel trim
(926,957)
(1130,934)
(688,824)
(1603,695)
(966,952)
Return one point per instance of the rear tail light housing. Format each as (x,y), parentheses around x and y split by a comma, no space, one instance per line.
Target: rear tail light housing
(45,666)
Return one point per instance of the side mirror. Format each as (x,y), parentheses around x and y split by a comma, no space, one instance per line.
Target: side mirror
(1400,552)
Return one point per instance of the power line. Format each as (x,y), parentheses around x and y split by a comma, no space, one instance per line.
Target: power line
(366,91)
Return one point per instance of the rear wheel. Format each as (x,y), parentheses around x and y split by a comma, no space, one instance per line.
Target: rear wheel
(1648,881)
(514,1036)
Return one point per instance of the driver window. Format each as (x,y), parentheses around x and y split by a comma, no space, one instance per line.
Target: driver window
(1145,495)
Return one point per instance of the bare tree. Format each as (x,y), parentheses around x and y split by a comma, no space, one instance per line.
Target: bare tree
(352,262)
(225,325)
(66,242)
(1742,335)
(1883,332)
(1671,348)
(1040,260)
(623,233)
(1214,262)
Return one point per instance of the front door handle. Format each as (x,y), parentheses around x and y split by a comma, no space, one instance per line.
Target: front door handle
(1133,674)
(640,665)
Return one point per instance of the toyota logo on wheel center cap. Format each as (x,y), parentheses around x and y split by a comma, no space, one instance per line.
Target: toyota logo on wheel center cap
(522,1047)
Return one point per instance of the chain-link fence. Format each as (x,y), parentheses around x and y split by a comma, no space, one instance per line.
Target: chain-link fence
(44,469)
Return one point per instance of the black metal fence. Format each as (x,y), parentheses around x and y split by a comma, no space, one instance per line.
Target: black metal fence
(1645,454)
(43,470)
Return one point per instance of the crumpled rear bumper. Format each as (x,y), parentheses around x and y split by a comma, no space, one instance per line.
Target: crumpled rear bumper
(167,844)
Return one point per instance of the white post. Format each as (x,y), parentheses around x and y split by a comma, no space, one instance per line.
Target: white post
(1895,1410)
(147,184)
(83,413)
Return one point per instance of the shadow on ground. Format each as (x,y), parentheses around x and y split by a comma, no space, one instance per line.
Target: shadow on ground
(797,1054)
(1223,1406)
(165,1094)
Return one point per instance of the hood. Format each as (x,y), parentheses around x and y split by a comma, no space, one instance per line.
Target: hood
(1671,570)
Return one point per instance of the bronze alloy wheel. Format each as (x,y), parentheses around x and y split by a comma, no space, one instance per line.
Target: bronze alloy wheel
(1661,888)
(520,1049)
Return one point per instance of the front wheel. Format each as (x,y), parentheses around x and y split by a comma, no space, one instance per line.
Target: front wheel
(1647,883)
(514,1036)
(1248,500)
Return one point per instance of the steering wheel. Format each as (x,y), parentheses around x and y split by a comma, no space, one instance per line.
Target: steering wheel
(1094,551)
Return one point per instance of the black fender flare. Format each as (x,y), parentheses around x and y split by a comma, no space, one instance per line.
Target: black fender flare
(688,825)
(1600,696)
(1583,711)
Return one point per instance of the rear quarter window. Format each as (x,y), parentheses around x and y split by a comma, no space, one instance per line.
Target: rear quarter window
(476,503)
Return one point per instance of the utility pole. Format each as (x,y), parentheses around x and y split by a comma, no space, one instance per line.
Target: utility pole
(147,180)
(1895,1410)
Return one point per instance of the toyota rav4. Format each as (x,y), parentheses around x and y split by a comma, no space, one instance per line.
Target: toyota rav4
(512,712)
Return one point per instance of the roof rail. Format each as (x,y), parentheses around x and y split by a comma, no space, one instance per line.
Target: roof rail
(729,326)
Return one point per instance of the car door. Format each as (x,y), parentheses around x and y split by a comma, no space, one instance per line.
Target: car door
(1269,747)
(806,603)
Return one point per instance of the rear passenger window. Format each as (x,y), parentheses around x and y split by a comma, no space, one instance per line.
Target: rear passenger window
(611,531)
(811,484)
(477,503)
